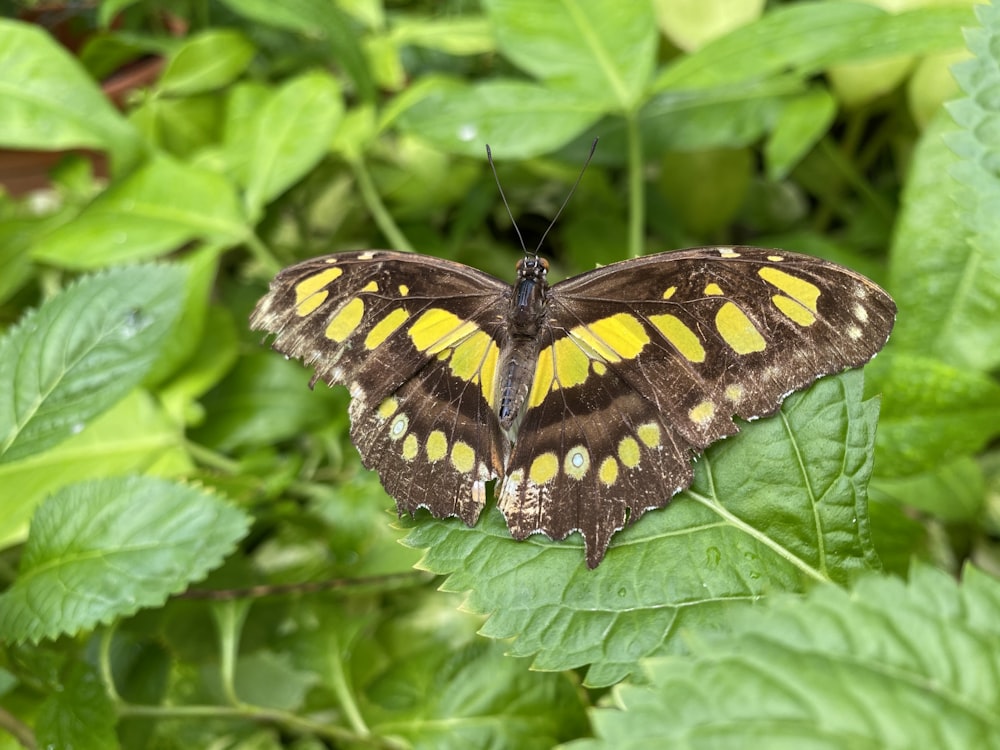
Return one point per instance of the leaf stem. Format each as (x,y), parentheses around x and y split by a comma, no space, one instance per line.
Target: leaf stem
(636,186)
(383,219)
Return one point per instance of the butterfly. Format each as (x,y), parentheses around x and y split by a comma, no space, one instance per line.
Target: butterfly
(586,400)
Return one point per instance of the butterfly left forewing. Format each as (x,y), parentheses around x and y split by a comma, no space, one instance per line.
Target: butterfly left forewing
(415,341)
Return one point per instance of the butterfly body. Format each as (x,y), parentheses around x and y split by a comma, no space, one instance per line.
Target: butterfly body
(586,399)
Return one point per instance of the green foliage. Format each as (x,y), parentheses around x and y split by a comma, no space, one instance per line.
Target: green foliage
(148,440)
(886,665)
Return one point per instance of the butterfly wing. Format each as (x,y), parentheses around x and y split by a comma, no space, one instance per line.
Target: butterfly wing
(647,361)
(415,341)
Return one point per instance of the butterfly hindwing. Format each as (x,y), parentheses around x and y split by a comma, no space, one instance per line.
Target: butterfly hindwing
(420,374)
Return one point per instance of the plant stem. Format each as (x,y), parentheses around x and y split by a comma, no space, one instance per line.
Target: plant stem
(636,186)
(383,219)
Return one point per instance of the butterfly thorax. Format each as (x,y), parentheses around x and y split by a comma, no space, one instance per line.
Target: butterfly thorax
(528,307)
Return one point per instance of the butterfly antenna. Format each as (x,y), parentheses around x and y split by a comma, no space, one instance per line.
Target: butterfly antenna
(593,148)
(489,158)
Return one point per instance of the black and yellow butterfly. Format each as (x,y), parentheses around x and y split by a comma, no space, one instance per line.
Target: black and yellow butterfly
(586,400)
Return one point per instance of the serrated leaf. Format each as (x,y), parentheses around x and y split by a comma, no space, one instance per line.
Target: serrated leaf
(132,436)
(888,665)
(772,509)
(601,48)
(206,61)
(807,37)
(970,333)
(159,207)
(49,101)
(291,133)
(106,548)
(518,119)
(932,413)
(82,351)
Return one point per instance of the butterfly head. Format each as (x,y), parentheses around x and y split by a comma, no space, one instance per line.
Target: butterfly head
(532,267)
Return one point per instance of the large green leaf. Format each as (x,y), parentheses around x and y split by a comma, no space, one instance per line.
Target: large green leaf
(602,48)
(887,665)
(809,36)
(932,412)
(518,119)
(49,101)
(775,508)
(205,62)
(158,208)
(105,548)
(132,436)
(83,350)
(291,132)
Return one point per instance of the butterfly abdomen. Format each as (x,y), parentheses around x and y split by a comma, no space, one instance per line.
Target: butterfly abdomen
(519,355)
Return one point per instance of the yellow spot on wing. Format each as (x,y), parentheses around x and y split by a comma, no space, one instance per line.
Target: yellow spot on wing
(669,292)
(437,329)
(649,434)
(310,292)
(798,289)
(437,446)
(385,328)
(734,393)
(702,413)
(544,375)
(622,333)
(577,462)
(572,365)
(683,338)
(737,330)
(469,355)
(543,468)
(713,290)
(463,458)
(371,286)
(410,447)
(403,290)
(346,321)
(628,452)
(608,473)
(488,373)
(387,408)
(793,310)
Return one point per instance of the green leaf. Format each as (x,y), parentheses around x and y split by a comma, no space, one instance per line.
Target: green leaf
(316,19)
(160,207)
(292,132)
(976,305)
(205,62)
(603,49)
(953,492)
(517,119)
(888,665)
(82,351)
(49,101)
(106,548)
(453,35)
(772,509)
(802,123)
(79,715)
(943,281)
(809,36)
(689,24)
(439,687)
(134,435)
(932,412)
(264,399)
